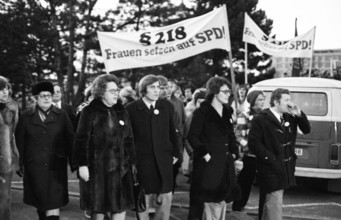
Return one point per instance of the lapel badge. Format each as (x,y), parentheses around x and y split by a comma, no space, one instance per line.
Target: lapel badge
(156,112)
(121,122)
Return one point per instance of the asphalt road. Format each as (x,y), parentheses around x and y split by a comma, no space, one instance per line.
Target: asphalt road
(306,201)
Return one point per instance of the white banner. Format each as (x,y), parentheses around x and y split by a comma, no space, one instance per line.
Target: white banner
(165,44)
(300,46)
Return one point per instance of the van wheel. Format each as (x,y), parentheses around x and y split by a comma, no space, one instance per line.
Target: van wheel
(334,185)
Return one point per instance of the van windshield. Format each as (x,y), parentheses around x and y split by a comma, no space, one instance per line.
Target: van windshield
(311,103)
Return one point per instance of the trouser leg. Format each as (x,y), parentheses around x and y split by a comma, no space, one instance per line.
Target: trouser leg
(164,203)
(273,206)
(214,211)
(245,181)
(145,215)
(176,168)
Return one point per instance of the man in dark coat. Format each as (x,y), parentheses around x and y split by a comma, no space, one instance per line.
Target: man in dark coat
(179,119)
(44,138)
(156,146)
(272,139)
(57,101)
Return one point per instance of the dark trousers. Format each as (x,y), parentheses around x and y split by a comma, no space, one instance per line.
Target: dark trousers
(245,181)
(176,168)
(5,195)
(196,207)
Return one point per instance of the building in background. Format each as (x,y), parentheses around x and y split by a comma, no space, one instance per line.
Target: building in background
(326,63)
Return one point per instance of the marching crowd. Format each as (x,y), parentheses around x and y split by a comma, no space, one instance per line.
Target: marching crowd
(119,137)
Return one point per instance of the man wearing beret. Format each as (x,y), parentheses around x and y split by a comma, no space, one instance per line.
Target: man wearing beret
(44,138)
(272,139)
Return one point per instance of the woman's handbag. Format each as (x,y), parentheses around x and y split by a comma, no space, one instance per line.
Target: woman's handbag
(139,196)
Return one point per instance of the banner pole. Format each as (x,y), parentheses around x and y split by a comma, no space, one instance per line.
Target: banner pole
(234,91)
(312,53)
(245,69)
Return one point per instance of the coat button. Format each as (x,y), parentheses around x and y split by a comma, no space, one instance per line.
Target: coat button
(226,144)
(45,164)
(45,148)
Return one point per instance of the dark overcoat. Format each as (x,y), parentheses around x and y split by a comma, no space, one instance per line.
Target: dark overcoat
(70,112)
(104,143)
(156,144)
(213,181)
(45,148)
(274,146)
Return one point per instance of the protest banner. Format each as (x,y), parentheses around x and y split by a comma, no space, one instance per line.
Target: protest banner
(300,46)
(125,50)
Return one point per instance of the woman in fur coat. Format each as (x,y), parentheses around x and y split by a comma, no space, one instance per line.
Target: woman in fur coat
(104,153)
(214,150)
(9,156)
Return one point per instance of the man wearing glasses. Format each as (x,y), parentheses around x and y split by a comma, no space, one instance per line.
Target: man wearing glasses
(44,138)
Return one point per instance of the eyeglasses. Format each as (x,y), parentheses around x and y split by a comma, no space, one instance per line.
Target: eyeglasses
(45,96)
(226,92)
(113,91)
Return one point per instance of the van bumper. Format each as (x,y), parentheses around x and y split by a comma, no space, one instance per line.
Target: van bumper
(318,173)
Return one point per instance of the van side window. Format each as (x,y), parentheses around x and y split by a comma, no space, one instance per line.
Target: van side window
(312,103)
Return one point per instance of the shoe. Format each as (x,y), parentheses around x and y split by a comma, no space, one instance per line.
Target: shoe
(87,214)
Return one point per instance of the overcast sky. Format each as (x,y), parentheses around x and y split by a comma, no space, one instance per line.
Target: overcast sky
(324,14)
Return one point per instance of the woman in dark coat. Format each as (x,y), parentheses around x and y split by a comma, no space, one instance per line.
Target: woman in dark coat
(44,138)
(214,147)
(104,153)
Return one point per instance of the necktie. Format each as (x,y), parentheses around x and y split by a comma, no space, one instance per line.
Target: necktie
(151,108)
(282,120)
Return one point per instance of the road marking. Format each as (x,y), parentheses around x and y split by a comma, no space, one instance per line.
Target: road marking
(302,205)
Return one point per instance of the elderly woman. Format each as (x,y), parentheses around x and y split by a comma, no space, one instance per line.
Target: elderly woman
(214,146)
(104,153)
(44,138)
(9,156)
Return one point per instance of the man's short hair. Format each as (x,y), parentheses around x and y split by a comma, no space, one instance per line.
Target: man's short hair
(213,87)
(100,84)
(191,87)
(146,81)
(199,94)
(163,80)
(277,95)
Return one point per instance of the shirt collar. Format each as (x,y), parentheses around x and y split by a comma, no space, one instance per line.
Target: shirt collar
(148,103)
(276,114)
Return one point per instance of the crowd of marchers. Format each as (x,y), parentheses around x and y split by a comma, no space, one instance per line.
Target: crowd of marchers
(120,136)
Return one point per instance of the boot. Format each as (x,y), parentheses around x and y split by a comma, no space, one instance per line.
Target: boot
(41,215)
(52,217)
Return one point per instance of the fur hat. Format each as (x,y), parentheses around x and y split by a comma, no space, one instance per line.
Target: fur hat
(252,96)
(44,86)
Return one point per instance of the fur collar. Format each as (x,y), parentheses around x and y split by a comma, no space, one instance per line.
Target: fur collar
(99,105)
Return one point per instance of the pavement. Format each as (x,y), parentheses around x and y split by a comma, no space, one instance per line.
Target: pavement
(21,211)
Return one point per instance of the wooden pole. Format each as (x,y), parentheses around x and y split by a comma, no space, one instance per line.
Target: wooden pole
(312,53)
(246,61)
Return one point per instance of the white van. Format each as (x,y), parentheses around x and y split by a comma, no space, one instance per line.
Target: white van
(319,152)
